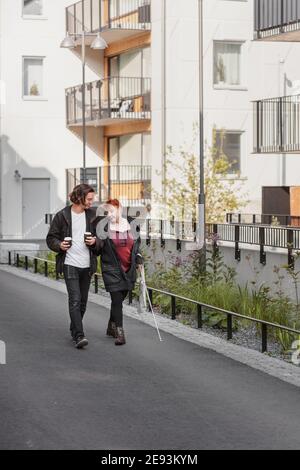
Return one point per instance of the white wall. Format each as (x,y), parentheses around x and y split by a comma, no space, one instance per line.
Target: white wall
(249,269)
(35,140)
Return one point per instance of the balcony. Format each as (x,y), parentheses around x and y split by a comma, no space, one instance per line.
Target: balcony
(277,125)
(131,184)
(115,19)
(108,101)
(277,20)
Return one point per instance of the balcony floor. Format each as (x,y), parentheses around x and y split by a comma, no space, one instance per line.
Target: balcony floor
(274,36)
(112,35)
(107,122)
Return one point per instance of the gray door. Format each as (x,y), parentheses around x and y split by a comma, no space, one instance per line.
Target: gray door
(36,203)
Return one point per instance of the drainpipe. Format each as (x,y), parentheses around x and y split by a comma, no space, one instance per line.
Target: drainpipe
(163,92)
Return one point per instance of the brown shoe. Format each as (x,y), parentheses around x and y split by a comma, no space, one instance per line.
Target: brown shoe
(111,329)
(120,338)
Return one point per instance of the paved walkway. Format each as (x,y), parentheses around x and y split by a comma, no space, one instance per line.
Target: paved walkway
(144,395)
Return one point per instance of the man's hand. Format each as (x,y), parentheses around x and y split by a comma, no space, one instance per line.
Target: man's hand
(139,267)
(64,246)
(90,241)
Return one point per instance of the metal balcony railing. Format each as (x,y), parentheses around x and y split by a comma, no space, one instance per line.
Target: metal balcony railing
(274,17)
(277,125)
(131,184)
(94,16)
(112,98)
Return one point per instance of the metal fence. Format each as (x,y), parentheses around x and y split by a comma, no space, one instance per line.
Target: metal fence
(263,219)
(41,265)
(95,16)
(110,98)
(272,17)
(287,238)
(276,125)
(131,184)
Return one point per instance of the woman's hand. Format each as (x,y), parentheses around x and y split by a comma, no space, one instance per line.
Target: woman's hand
(139,267)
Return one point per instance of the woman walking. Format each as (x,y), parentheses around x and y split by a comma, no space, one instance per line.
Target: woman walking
(120,259)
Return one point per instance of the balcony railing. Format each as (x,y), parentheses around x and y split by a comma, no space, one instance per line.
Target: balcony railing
(277,125)
(109,100)
(131,184)
(101,15)
(263,219)
(277,17)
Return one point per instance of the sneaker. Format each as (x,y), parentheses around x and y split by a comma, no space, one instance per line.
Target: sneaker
(81,342)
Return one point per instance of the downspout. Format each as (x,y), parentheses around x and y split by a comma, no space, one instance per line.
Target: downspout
(163,93)
(1,150)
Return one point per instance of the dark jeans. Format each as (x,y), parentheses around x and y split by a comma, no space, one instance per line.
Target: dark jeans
(78,283)
(116,310)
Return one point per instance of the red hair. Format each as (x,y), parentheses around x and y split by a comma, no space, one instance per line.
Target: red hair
(113,202)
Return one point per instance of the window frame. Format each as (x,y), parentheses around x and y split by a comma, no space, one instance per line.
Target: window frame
(32,97)
(26,16)
(239,174)
(226,86)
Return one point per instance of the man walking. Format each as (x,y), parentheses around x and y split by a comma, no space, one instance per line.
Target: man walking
(72,237)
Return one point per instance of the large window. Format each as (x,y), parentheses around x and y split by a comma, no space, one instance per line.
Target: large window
(227,63)
(33,77)
(132,151)
(228,144)
(32,7)
(135,63)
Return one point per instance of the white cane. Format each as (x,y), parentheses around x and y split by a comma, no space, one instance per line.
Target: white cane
(143,281)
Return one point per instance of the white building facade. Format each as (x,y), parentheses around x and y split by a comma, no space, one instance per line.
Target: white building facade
(142,96)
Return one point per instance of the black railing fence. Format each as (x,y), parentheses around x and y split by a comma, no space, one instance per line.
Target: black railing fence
(110,98)
(287,238)
(276,125)
(94,16)
(272,17)
(131,184)
(39,264)
(263,219)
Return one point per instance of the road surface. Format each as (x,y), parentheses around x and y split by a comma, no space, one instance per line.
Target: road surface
(144,395)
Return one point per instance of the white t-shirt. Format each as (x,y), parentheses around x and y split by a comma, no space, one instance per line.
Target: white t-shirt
(79,254)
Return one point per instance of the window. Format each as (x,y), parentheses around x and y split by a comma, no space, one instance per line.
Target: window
(228,144)
(32,7)
(91,177)
(132,151)
(135,63)
(227,63)
(33,77)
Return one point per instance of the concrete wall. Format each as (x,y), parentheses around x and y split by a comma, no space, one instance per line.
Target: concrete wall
(248,270)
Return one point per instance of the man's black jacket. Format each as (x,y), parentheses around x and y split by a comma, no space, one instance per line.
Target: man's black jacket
(61,227)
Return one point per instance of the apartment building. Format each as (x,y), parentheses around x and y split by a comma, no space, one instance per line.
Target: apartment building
(277,115)
(141,96)
(152,69)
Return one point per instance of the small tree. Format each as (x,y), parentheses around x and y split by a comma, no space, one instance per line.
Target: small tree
(181,184)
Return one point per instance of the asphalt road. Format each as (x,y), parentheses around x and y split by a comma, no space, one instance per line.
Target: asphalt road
(144,395)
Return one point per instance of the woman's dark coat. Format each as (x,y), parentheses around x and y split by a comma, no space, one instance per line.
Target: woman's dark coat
(114,277)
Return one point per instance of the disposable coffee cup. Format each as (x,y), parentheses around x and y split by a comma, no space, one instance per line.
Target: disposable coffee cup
(68,240)
(87,235)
